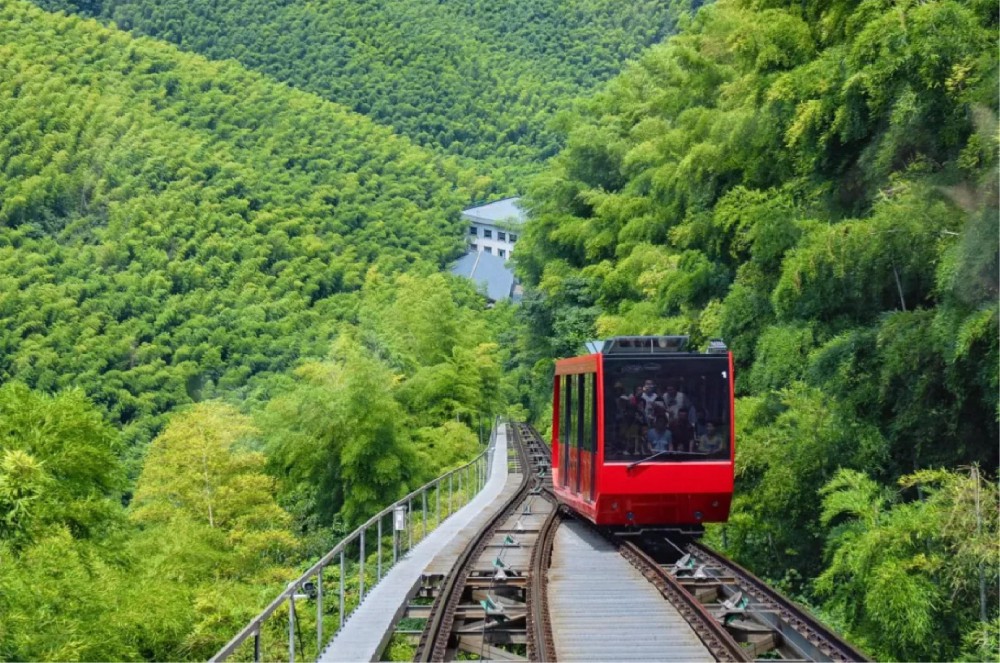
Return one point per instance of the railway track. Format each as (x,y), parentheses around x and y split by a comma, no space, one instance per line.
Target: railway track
(483,604)
(756,615)
(501,610)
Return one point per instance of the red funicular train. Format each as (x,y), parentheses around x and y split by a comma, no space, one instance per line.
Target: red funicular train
(642,433)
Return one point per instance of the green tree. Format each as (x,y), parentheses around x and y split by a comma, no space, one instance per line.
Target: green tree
(904,573)
(58,466)
(340,436)
(196,471)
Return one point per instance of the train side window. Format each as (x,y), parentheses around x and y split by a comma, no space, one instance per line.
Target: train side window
(567,400)
(589,413)
(574,430)
(580,412)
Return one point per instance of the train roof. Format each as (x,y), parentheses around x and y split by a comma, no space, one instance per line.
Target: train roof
(650,345)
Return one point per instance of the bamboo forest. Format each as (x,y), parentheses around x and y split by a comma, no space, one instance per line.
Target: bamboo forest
(230,331)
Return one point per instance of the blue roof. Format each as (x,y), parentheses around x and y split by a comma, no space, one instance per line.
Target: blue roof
(489,270)
(506,210)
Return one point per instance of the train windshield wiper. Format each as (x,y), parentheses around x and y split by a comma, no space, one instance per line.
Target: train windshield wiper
(664,453)
(649,458)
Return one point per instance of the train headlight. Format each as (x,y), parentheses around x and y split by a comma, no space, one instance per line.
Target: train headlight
(614,506)
(697,515)
(630,516)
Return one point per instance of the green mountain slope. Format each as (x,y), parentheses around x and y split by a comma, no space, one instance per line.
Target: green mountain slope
(171,227)
(479,79)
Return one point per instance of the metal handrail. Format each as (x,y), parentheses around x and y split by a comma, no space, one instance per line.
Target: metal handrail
(482,464)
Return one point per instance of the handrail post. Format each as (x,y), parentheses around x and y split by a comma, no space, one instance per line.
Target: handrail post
(395,544)
(319,612)
(256,645)
(423,497)
(379,563)
(451,477)
(437,501)
(291,627)
(341,589)
(361,572)
(409,525)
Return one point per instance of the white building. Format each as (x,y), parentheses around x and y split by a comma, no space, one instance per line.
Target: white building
(494,227)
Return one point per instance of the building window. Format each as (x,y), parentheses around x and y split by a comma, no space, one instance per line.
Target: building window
(488,249)
(502,236)
(473,230)
(474,246)
(513,238)
(487,233)
(501,253)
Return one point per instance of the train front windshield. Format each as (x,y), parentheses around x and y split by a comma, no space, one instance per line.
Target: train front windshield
(668,409)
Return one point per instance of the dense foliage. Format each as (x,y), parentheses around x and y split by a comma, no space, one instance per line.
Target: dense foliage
(172,229)
(815,183)
(84,579)
(481,79)
(228,505)
(176,236)
(225,340)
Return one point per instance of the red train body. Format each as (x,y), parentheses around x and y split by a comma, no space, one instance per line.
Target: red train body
(613,462)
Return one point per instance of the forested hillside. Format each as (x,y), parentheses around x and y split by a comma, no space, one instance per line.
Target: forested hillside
(224,337)
(480,79)
(175,228)
(816,184)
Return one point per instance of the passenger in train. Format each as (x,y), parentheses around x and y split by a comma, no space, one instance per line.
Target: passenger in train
(681,431)
(659,410)
(636,397)
(711,442)
(623,405)
(700,421)
(639,443)
(630,429)
(676,401)
(649,396)
(659,437)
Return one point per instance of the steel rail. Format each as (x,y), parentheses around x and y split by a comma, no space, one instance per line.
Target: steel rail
(717,639)
(434,639)
(810,628)
(540,643)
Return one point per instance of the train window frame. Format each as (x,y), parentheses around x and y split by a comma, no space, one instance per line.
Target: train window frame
(682,370)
